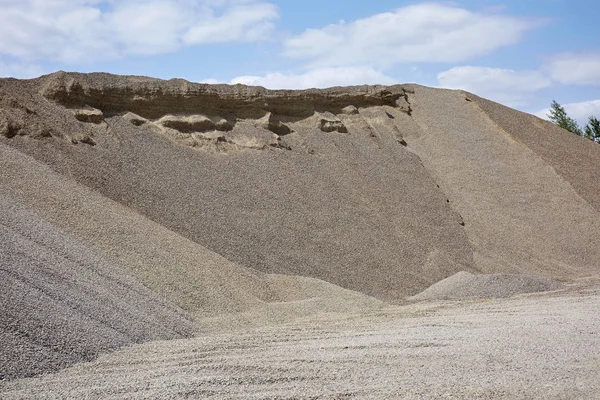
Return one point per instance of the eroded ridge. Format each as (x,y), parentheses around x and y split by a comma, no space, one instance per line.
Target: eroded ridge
(219,118)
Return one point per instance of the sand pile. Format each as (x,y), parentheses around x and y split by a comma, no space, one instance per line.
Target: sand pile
(464,285)
(136,209)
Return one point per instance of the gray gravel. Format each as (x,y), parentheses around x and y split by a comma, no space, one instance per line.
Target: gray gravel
(463,285)
(536,347)
(116,229)
(81,274)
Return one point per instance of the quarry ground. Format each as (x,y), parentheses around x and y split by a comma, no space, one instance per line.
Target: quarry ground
(264,231)
(530,346)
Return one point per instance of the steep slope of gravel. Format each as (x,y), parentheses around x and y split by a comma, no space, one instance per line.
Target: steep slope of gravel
(81,275)
(520,215)
(355,208)
(61,301)
(134,209)
(570,156)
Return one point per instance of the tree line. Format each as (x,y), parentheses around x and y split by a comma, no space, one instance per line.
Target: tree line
(559,116)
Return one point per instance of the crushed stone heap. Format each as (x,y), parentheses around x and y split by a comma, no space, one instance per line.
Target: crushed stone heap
(136,209)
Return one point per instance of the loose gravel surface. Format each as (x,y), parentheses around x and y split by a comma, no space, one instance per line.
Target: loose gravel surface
(527,347)
(135,210)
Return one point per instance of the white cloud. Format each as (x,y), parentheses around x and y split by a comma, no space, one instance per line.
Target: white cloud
(502,85)
(318,78)
(20,70)
(425,32)
(576,69)
(210,81)
(580,111)
(244,21)
(92,30)
(147,28)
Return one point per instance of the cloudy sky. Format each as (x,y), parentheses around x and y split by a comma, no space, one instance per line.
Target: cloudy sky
(522,53)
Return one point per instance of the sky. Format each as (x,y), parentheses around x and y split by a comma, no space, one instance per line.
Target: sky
(521,53)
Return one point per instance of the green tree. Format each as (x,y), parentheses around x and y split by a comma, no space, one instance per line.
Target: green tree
(592,129)
(559,116)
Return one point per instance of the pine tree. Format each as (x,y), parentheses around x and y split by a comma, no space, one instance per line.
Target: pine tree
(592,129)
(559,116)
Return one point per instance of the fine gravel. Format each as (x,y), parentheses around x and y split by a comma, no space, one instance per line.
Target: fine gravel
(134,209)
(535,347)
(464,285)
(521,212)
(82,274)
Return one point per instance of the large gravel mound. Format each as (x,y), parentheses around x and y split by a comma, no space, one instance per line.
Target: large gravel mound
(135,209)
(82,275)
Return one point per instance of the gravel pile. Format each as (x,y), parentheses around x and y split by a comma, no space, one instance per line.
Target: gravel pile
(118,229)
(464,285)
(355,209)
(82,275)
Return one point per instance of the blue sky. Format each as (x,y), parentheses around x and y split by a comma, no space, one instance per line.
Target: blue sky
(520,53)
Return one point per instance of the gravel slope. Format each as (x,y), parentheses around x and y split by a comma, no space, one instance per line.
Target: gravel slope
(81,274)
(520,215)
(569,155)
(134,209)
(355,209)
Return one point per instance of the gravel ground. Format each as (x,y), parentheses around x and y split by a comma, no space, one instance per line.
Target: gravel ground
(537,346)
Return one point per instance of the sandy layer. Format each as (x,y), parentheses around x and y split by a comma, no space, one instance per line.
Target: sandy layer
(519,348)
